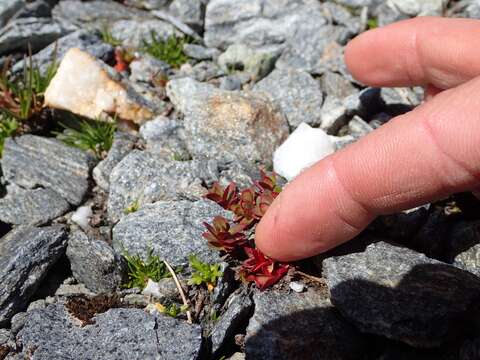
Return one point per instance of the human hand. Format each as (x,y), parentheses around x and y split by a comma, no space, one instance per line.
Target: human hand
(418,157)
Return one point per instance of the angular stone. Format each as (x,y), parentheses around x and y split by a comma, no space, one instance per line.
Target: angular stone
(359,127)
(190,12)
(147,68)
(333,114)
(401,294)
(36,32)
(199,52)
(172,229)
(118,334)
(336,85)
(420,7)
(37,9)
(8,8)
(340,15)
(32,161)
(299,326)
(32,207)
(133,32)
(26,255)
(298,94)
(145,177)
(94,263)
(237,311)
(97,13)
(84,86)
(122,144)
(227,125)
(90,42)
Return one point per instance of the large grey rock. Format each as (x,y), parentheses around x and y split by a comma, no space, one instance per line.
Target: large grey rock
(97,13)
(94,263)
(32,161)
(172,229)
(401,294)
(122,144)
(88,41)
(238,309)
(8,8)
(36,32)
(299,326)
(298,94)
(118,334)
(190,12)
(336,85)
(26,254)
(227,125)
(32,207)
(133,32)
(145,177)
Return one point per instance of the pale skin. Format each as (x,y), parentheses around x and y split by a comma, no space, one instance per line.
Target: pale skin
(416,158)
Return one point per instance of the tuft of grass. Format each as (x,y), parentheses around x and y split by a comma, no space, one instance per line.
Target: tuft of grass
(8,127)
(372,23)
(139,270)
(204,273)
(108,37)
(96,137)
(169,50)
(133,207)
(171,310)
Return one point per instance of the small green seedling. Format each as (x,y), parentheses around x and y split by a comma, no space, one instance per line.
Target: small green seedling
(96,137)
(8,127)
(372,23)
(203,273)
(139,270)
(133,207)
(108,37)
(171,310)
(169,50)
(214,316)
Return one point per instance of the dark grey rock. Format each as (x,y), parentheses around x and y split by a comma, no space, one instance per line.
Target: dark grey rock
(32,207)
(463,235)
(333,114)
(122,144)
(336,85)
(32,161)
(94,263)
(227,125)
(145,177)
(96,14)
(358,127)
(91,42)
(37,8)
(237,311)
(230,83)
(364,103)
(298,94)
(18,34)
(147,68)
(401,294)
(172,229)
(118,334)
(200,52)
(26,254)
(299,326)
(205,71)
(338,14)
(190,12)
(398,100)
(8,8)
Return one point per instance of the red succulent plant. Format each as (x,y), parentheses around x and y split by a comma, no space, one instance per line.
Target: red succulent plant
(221,235)
(226,198)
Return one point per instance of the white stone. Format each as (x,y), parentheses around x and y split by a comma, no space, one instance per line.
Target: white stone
(152,289)
(83,86)
(82,216)
(304,147)
(296,286)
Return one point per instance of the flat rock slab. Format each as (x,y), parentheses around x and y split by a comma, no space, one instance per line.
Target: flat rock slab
(94,263)
(26,254)
(227,125)
(401,294)
(298,94)
(299,326)
(32,207)
(30,161)
(172,229)
(118,334)
(145,177)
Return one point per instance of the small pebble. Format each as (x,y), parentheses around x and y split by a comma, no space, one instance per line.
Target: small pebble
(296,286)
(82,216)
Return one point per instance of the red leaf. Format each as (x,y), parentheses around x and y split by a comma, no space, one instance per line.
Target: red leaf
(223,236)
(261,269)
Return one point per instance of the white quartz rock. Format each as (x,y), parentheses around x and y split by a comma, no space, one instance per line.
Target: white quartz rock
(82,216)
(152,289)
(304,147)
(83,86)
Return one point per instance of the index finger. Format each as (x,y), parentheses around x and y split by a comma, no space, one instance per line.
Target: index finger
(420,51)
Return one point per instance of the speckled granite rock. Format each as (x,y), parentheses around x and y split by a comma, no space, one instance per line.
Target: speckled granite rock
(288,326)
(132,32)
(401,294)
(26,254)
(32,207)
(172,229)
(144,177)
(32,161)
(118,334)
(298,94)
(227,125)
(94,263)
(8,8)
